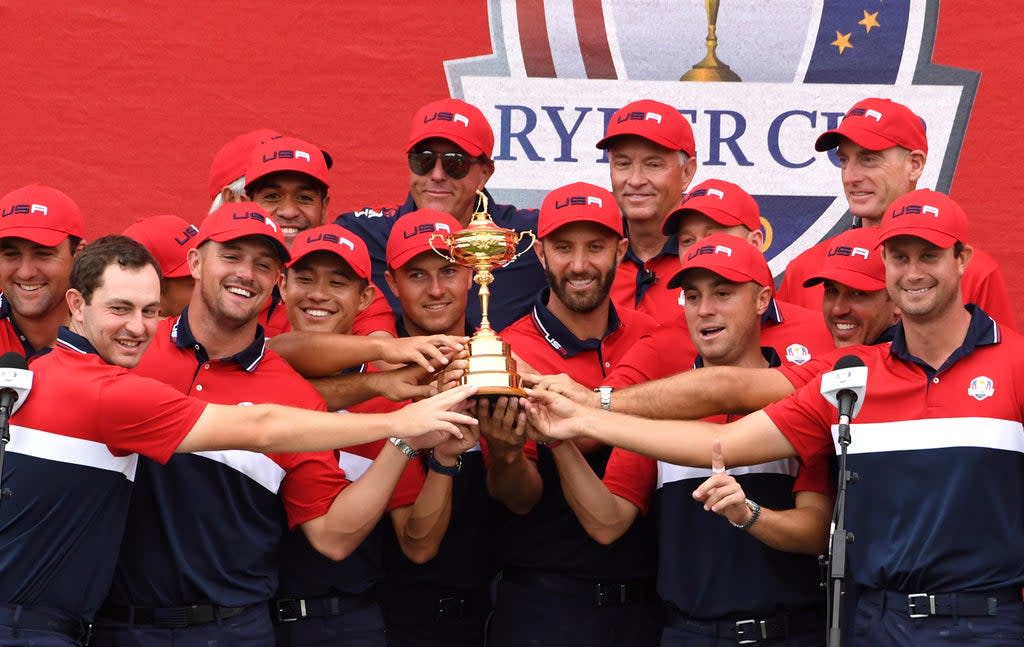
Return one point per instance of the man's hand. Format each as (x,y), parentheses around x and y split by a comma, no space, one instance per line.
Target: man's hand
(553,415)
(502,423)
(721,493)
(448,451)
(429,352)
(439,413)
(566,386)
(406,383)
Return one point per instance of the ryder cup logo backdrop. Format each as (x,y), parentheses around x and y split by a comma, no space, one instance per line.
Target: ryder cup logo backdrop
(560,69)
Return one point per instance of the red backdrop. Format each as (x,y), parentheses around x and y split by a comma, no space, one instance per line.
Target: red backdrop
(122,103)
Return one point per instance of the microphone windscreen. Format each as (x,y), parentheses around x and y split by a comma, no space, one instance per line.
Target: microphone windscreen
(846,361)
(13,360)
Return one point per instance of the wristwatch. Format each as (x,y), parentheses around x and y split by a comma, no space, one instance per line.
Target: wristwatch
(606,396)
(755,514)
(404,447)
(448,470)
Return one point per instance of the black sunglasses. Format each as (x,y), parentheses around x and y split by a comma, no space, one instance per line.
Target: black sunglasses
(455,165)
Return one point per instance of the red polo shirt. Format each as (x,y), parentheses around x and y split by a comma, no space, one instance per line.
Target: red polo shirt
(642,286)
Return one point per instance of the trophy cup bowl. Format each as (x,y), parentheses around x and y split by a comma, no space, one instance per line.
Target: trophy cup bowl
(483,246)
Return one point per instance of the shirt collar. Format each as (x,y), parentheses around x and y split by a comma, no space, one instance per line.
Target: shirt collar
(248,358)
(981,331)
(74,342)
(670,248)
(769,354)
(885,336)
(6,313)
(773,315)
(561,338)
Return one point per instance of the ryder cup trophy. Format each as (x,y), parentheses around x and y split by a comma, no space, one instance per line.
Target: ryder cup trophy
(484,246)
(710,68)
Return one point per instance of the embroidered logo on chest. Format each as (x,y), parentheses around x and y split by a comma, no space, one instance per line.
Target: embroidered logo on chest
(981,387)
(797,354)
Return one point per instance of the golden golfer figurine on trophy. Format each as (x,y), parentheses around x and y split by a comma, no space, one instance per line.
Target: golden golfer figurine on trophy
(484,246)
(710,68)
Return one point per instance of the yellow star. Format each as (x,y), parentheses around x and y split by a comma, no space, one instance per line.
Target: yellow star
(842,41)
(870,20)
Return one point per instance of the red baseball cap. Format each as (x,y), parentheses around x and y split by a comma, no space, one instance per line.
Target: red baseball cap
(168,239)
(578,202)
(457,121)
(336,240)
(724,202)
(877,124)
(41,214)
(236,220)
(652,120)
(230,161)
(412,233)
(925,214)
(731,257)
(852,260)
(287,154)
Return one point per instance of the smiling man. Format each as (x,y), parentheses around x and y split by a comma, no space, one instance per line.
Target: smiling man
(449,158)
(40,232)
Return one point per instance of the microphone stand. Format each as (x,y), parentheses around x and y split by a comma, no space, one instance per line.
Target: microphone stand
(840,538)
(5,437)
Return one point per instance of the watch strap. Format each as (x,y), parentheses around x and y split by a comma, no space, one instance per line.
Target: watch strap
(403,447)
(448,470)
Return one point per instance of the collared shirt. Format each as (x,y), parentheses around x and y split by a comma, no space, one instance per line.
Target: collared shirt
(71,465)
(940,460)
(642,285)
(514,284)
(12,340)
(182,542)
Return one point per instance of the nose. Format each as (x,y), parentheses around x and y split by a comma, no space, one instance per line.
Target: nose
(135,324)
(636,175)
(435,289)
(840,306)
(851,173)
(437,171)
(286,208)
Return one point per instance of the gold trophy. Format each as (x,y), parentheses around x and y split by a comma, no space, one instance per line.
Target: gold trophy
(484,246)
(711,69)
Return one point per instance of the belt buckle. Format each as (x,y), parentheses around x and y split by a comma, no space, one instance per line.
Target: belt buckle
(171,618)
(450,606)
(915,599)
(289,610)
(606,595)
(742,629)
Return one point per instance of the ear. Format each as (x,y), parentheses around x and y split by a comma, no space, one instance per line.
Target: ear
(538,249)
(689,170)
(966,254)
(764,299)
(486,171)
(366,297)
(195,262)
(756,239)
(282,285)
(227,195)
(81,246)
(623,245)
(76,304)
(915,161)
(389,278)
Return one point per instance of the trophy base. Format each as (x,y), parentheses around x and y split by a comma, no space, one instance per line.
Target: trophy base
(491,367)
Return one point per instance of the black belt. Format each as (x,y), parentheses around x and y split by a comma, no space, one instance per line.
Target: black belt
(748,631)
(924,605)
(18,617)
(291,609)
(169,617)
(439,605)
(600,593)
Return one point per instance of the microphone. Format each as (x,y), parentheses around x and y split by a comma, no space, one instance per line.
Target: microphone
(15,383)
(844,386)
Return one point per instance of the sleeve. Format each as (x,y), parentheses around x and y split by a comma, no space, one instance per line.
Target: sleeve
(815,476)
(312,481)
(377,316)
(144,416)
(631,476)
(648,360)
(801,374)
(988,291)
(804,419)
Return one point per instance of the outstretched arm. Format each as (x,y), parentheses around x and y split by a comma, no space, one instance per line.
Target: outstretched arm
(604,516)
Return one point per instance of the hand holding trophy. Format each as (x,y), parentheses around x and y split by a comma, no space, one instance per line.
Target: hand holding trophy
(483,246)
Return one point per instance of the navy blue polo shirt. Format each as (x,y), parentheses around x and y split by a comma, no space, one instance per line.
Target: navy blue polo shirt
(550,537)
(940,454)
(71,465)
(514,285)
(205,527)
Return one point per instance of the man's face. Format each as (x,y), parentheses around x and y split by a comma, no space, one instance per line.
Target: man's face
(648,180)
(579,260)
(175,293)
(694,227)
(235,278)
(438,190)
(35,278)
(873,179)
(322,294)
(122,316)
(433,294)
(296,201)
(923,280)
(856,316)
(723,318)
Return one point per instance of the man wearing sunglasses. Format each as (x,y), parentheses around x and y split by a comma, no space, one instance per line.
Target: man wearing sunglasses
(449,156)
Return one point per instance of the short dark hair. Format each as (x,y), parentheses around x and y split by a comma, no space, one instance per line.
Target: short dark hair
(89,264)
(958,248)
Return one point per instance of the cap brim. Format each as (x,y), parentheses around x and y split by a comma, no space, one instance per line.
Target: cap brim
(406,255)
(605,142)
(726,273)
(553,227)
(849,278)
(864,138)
(181,270)
(461,142)
(44,237)
(938,238)
(282,251)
